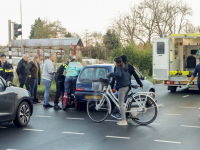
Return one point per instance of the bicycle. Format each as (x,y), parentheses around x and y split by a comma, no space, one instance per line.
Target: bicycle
(136,107)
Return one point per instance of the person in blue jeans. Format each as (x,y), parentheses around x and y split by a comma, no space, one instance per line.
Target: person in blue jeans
(72,72)
(47,78)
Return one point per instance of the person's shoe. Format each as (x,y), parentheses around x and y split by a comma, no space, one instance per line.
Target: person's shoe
(47,106)
(64,107)
(56,107)
(34,102)
(116,115)
(122,123)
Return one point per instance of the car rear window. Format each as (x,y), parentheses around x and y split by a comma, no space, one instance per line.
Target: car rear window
(89,74)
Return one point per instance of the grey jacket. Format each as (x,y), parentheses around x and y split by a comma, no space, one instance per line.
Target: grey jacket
(48,70)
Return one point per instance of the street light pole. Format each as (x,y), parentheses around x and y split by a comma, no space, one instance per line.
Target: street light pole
(21,28)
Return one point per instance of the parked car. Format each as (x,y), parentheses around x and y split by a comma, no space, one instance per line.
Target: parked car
(94,72)
(15,104)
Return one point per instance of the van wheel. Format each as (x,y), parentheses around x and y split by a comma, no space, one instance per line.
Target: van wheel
(173,89)
(23,115)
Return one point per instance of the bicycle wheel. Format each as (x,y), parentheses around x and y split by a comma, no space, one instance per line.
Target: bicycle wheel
(98,109)
(143,116)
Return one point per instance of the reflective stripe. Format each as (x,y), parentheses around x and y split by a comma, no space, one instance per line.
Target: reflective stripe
(8,70)
(1,69)
(65,65)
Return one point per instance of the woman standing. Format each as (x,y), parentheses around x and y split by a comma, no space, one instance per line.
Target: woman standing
(72,72)
(123,79)
(34,80)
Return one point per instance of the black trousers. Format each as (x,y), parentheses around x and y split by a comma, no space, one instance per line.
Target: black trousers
(59,90)
(22,85)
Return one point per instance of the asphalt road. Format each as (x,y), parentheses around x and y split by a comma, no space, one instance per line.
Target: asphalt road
(177,127)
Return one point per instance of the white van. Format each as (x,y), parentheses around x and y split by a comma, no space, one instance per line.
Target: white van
(175,58)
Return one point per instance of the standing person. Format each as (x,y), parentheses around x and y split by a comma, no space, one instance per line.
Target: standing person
(60,80)
(47,78)
(196,70)
(72,72)
(35,78)
(101,61)
(83,63)
(133,73)
(123,84)
(6,71)
(23,71)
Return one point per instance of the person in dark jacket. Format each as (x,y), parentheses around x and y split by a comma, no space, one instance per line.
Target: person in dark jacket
(6,69)
(123,79)
(131,71)
(60,80)
(23,71)
(35,78)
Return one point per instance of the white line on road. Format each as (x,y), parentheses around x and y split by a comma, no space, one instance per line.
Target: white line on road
(75,118)
(3,127)
(190,126)
(11,149)
(186,107)
(43,116)
(186,95)
(74,133)
(119,137)
(172,114)
(33,129)
(160,105)
(168,141)
(112,120)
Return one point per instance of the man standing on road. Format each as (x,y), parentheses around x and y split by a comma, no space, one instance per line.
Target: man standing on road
(60,80)
(23,72)
(6,69)
(132,72)
(47,78)
(196,70)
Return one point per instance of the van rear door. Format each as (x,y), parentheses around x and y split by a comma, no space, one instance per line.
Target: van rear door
(161,61)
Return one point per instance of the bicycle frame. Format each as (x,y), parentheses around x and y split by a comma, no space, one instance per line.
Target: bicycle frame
(107,93)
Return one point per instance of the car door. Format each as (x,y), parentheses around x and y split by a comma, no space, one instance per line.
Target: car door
(7,102)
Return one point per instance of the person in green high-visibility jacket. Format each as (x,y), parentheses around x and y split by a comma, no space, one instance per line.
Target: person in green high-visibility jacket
(72,72)
(6,69)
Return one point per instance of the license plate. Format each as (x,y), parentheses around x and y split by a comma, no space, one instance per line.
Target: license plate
(93,97)
(185,82)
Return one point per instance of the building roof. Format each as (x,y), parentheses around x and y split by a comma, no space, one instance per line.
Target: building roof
(48,42)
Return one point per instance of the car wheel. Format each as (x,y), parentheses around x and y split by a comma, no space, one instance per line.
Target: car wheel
(80,106)
(149,103)
(23,115)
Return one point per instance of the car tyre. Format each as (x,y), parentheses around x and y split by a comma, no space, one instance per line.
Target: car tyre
(23,115)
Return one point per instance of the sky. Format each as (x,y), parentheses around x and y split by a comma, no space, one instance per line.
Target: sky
(75,15)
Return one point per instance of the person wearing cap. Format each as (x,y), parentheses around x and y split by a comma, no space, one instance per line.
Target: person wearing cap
(72,71)
(60,80)
(6,69)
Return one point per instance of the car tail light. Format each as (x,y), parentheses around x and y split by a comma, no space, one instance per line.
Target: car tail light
(80,89)
(113,90)
(169,82)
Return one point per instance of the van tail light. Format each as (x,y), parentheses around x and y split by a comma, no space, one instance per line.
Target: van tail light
(80,89)
(169,82)
(113,90)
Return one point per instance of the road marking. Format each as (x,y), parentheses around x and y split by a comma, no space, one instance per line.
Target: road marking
(119,137)
(3,127)
(112,120)
(160,105)
(186,95)
(172,114)
(168,141)
(43,116)
(190,126)
(33,129)
(75,118)
(186,107)
(11,149)
(74,133)
(155,123)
